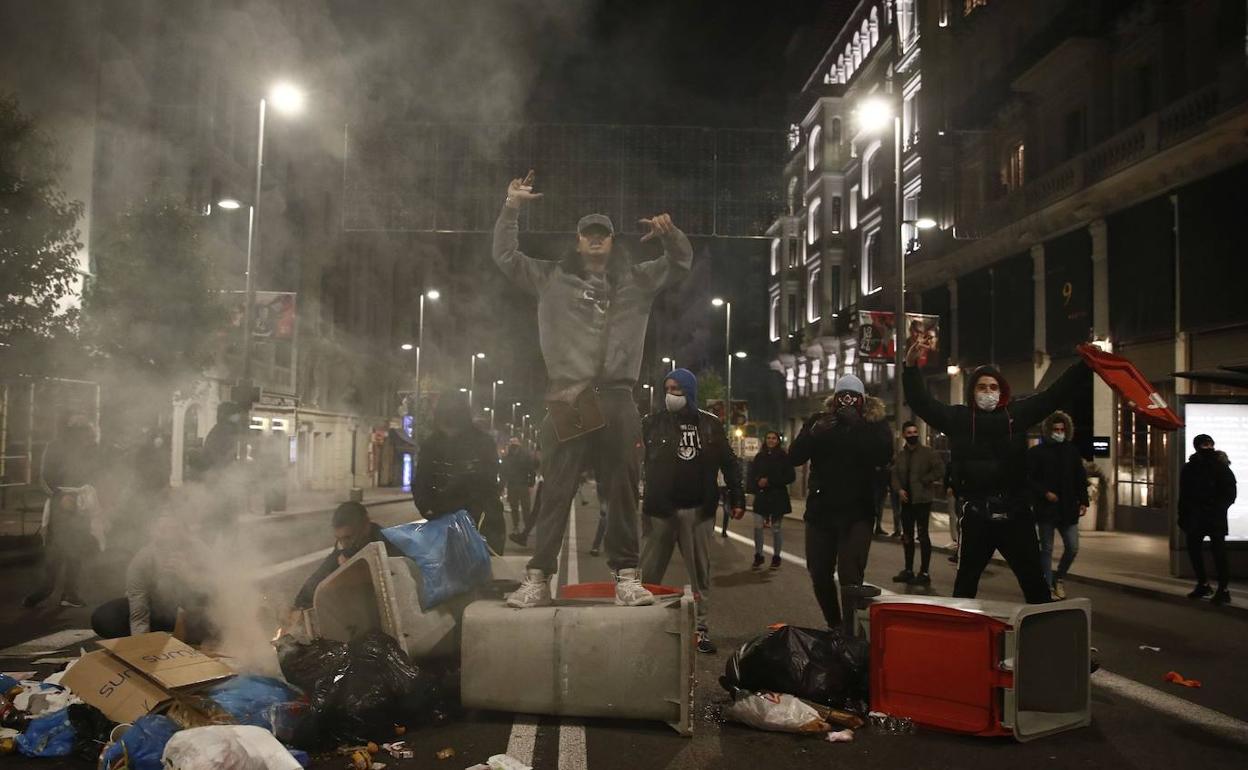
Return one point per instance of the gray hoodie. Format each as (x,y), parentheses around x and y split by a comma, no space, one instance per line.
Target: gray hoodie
(592,328)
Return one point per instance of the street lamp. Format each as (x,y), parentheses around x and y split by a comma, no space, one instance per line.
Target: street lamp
(514,404)
(493,401)
(431,294)
(671,361)
(649,396)
(727,306)
(472,376)
(740,354)
(874,115)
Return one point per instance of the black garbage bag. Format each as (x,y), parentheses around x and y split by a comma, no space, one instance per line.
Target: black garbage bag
(359,690)
(824,667)
(91,730)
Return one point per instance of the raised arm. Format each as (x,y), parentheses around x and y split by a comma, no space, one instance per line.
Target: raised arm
(677,257)
(931,411)
(1033,409)
(527,273)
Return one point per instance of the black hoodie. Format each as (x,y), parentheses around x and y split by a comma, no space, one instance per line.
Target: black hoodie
(988,449)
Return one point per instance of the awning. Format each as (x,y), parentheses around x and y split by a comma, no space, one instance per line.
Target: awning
(1220,376)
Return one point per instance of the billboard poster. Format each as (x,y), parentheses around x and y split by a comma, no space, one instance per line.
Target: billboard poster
(875,334)
(273,337)
(1227,423)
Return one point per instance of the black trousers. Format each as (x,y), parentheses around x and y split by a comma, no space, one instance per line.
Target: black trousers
(518,503)
(1196,552)
(111,620)
(915,517)
(1016,540)
(837,550)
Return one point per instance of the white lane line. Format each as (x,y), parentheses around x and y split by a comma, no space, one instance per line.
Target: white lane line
(523,738)
(572,752)
(574,572)
(273,570)
(1173,706)
(784,555)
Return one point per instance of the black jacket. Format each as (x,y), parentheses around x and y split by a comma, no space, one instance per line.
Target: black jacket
(988,450)
(1206,490)
(303,600)
(844,451)
(660,431)
(519,469)
(772,500)
(1057,468)
(459,473)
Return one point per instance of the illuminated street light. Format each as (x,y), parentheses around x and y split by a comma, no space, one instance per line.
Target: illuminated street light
(740,354)
(287,98)
(229,204)
(406,346)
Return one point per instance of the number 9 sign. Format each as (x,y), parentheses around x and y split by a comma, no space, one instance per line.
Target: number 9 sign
(1068,291)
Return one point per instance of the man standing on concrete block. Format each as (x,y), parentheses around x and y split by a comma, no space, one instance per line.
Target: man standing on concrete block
(686,449)
(593,307)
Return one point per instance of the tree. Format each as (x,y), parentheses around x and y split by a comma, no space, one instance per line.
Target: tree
(39,239)
(710,386)
(155,309)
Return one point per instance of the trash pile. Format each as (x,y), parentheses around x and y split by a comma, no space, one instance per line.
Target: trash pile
(153,702)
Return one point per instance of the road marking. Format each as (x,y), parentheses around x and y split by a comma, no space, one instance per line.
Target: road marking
(44,645)
(572,753)
(1173,706)
(523,738)
(273,570)
(574,572)
(784,555)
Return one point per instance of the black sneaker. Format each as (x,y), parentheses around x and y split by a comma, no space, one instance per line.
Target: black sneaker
(705,645)
(518,539)
(1200,591)
(905,576)
(1222,596)
(775,563)
(72,600)
(921,579)
(758,561)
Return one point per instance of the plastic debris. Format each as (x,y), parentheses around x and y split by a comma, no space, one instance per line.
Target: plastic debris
(48,736)
(141,746)
(840,736)
(890,725)
(446,753)
(825,667)
(506,762)
(227,747)
(1150,648)
(776,711)
(399,750)
(1179,679)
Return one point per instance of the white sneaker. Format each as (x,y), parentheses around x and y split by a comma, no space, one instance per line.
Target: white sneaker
(533,592)
(1059,589)
(629,592)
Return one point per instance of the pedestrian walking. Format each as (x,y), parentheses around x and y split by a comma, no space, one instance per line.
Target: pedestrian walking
(686,448)
(1206,491)
(67,471)
(988,448)
(917,469)
(1059,495)
(770,474)
(519,474)
(593,307)
(457,469)
(843,449)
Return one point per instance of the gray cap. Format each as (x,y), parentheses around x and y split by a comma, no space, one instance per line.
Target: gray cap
(850,384)
(602,220)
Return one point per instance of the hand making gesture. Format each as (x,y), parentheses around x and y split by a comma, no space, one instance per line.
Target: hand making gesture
(521,191)
(916,351)
(660,225)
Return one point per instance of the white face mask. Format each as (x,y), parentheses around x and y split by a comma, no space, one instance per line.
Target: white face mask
(987,401)
(675,403)
(1057,438)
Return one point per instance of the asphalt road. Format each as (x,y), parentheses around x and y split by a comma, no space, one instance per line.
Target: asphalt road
(1139,721)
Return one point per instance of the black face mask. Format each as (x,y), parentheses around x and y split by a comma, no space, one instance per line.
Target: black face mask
(1206,451)
(912,440)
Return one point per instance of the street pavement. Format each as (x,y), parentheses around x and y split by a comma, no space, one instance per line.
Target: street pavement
(1139,721)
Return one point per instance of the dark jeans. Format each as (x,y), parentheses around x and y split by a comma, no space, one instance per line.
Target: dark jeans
(916,516)
(1196,552)
(837,550)
(1016,540)
(614,452)
(726,505)
(880,494)
(518,503)
(111,620)
(1070,548)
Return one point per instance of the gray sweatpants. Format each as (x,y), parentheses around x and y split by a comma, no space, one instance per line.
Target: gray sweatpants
(614,453)
(689,530)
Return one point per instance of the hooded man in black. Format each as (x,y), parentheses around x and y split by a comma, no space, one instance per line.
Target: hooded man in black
(1059,489)
(1206,491)
(988,454)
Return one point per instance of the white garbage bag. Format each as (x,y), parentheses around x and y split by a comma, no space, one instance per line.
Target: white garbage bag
(227,747)
(776,711)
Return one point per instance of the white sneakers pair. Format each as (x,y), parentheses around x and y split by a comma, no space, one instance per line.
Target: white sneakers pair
(535,590)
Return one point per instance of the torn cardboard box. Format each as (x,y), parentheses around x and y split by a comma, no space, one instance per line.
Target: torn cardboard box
(136,675)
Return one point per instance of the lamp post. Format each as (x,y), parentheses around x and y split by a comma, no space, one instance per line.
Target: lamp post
(432,294)
(671,362)
(514,404)
(493,402)
(649,396)
(727,305)
(472,376)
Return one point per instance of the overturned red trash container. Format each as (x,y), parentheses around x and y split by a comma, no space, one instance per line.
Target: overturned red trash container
(982,667)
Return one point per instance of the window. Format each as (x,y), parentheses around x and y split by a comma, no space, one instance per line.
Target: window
(853,207)
(910,213)
(1012,167)
(773,319)
(793,325)
(795,136)
(813,230)
(874,27)
(814,152)
(1075,133)
(793,246)
(775,256)
(1143,462)
(872,166)
(813,295)
(836,130)
(835,221)
(910,118)
(872,244)
(907,23)
(1142,91)
(838,301)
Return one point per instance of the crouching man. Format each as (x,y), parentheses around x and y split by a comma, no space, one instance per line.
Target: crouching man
(162,592)
(686,448)
(353,529)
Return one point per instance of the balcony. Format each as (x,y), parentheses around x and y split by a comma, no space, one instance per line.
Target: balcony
(1175,123)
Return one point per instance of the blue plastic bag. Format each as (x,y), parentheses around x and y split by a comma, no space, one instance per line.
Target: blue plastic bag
(50,735)
(452,556)
(6,683)
(143,744)
(248,699)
